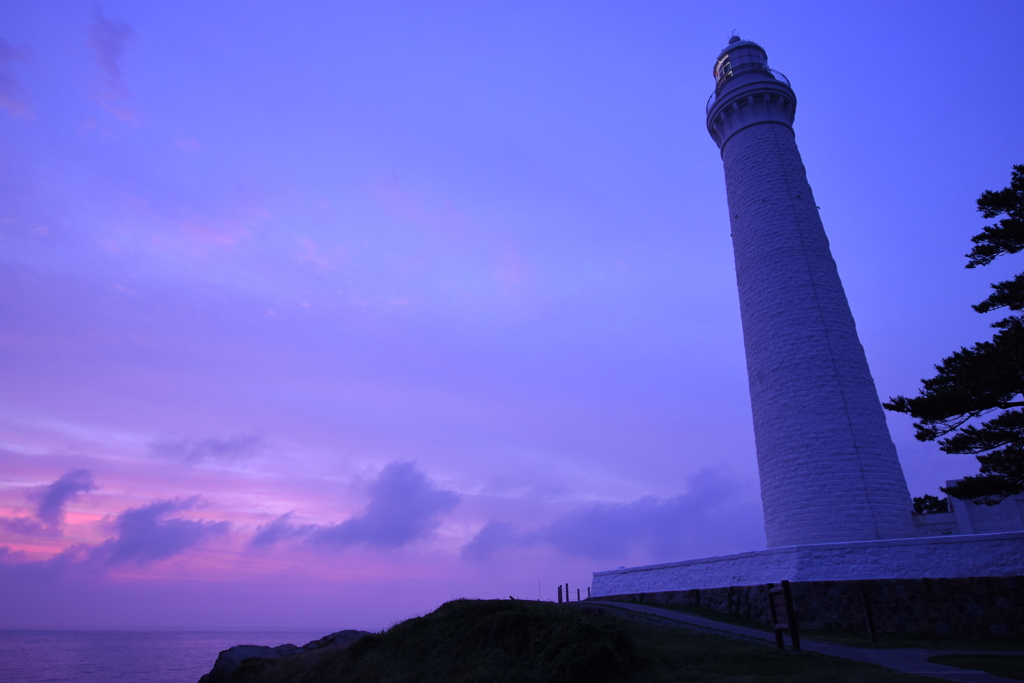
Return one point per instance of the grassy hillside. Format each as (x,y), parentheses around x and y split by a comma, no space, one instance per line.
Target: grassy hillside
(485,641)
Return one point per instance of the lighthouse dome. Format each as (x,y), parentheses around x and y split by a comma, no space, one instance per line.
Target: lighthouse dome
(740,56)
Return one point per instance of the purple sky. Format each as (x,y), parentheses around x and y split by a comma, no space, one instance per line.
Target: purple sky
(320,314)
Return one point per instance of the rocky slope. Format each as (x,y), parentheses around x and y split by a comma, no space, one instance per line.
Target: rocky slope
(229,660)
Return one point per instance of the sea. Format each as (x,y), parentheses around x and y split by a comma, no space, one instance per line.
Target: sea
(128,656)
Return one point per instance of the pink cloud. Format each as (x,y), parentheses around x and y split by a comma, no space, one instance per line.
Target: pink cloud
(448,220)
(13,97)
(48,502)
(173,229)
(512,270)
(325,258)
(108,40)
(113,246)
(188,145)
(404,506)
(225,230)
(214,232)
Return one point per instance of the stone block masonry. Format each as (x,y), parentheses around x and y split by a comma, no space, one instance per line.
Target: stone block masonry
(819,427)
(969,607)
(966,585)
(829,471)
(933,557)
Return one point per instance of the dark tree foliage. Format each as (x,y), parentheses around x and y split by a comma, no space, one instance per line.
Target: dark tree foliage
(1007,235)
(973,404)
(928,504)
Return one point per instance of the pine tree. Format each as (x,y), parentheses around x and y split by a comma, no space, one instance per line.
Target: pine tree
(973,403)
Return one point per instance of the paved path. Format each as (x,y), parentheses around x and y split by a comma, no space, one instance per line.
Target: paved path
(910,661)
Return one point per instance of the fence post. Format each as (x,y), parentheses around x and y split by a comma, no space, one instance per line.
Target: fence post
(870,615)
(559,594)
(794,633)
(779,643)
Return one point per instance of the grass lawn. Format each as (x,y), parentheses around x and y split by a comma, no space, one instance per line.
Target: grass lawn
(484,641)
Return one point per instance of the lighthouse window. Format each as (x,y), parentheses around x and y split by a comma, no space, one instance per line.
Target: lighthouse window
(723,69)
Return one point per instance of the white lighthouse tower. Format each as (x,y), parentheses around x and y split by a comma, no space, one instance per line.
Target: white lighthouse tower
(836,505)
(828,468)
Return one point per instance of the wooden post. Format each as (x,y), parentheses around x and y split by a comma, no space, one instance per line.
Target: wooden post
(559,594)
(577,595)
(794,632)
(869,614)
(588,592)
(780,600)
(772,592)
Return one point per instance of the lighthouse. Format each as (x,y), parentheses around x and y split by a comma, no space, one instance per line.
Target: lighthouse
(837,514)
(828,468)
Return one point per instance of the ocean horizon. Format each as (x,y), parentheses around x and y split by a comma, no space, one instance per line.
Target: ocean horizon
(143,656)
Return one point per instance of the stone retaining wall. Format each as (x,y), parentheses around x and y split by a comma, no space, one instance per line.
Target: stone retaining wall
(972,607)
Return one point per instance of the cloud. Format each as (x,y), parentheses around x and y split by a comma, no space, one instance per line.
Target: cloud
(712,518)
(109,40)
(12,95)
(14,565)
(404,507)
(279,529)
(324,258)
(512,270)
(26,526)
(50,502)
(198,232)
(237,447)
(54,497)
(188,145)
(145,535)
(223,230)
(446,219)
(215,232)
(495,537)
